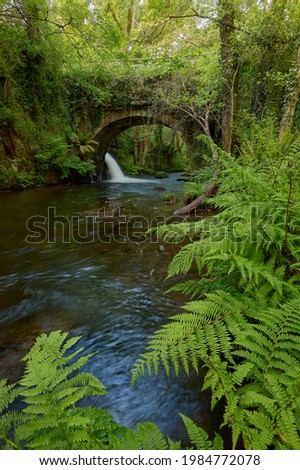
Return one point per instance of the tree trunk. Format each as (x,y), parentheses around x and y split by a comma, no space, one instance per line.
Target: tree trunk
(211,188)
(291,102)
(131,11)
(130,18)
(229,67)
(146,144)
(136,150)
(229,98)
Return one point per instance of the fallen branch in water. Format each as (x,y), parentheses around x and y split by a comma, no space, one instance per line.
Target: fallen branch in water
(210,190)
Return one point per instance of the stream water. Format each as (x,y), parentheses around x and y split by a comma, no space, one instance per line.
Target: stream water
(63,268)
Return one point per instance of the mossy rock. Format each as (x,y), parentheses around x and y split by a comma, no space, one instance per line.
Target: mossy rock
(161,174)
(158,188)
(170,199)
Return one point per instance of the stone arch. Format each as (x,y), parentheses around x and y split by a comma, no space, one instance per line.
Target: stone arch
(113,123)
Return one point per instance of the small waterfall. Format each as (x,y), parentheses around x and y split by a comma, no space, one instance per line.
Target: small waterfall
(117,175)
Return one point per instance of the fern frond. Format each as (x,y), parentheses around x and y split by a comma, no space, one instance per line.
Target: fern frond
(199,438)
(206,329)
(192,288)
(8,393)
(147,436)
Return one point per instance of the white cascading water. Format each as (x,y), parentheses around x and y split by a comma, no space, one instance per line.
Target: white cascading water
(117,175)
(115,171)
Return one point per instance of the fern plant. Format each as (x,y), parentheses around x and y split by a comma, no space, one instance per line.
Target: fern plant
(243,323)
(55,155)
(199,438)
(52,417)
(50,388)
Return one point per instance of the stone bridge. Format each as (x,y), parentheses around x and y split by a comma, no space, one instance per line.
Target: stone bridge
(142,107)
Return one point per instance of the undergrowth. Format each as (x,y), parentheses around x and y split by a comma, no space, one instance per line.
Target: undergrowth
(51,416)
(242,321)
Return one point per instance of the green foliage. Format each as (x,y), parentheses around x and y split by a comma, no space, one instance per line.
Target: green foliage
(268,56)
(25,179)
(146,437)
(52,417)
(11,178)
(6,174)
(192,190)
(55,155)
(199,438)
(50,388)
(197,180)
(201,176)
(150,149)
(62,60)
(241,322)
(8,116)
(243,325)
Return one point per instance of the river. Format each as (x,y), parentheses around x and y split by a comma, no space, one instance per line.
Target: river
(102,281)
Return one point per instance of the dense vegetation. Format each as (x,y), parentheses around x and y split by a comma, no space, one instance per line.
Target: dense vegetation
(234,66)
(51,387)
(242,322)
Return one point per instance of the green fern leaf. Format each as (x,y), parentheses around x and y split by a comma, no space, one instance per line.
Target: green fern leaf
(199,438)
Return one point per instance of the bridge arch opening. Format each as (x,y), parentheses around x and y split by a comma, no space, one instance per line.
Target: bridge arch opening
(140,130)
(150,149)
